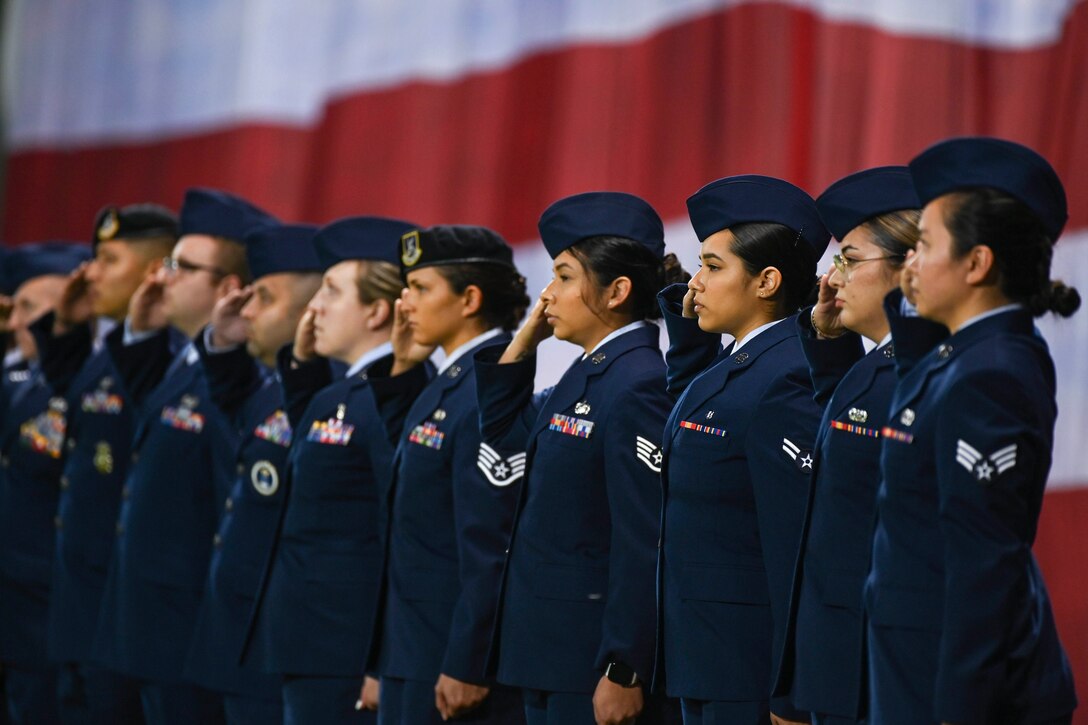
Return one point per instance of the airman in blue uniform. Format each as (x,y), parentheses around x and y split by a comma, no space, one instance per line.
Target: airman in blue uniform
(183,451)
(315,607)
(576,629)
(738,448)
(451,499)
(128,242)
(960,625)
(874,215)
(34,422)
(238,352)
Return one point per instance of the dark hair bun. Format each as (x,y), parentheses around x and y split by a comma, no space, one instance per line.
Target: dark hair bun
(1064,300)
(674,271)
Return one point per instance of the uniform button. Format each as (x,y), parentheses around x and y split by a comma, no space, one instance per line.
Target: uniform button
(508,550)
(4,461)
(228,504)
(58,522)
(241,469)
(64,483)
(135,457)
(126,492)
(71,443)
(120,529)
(217,541)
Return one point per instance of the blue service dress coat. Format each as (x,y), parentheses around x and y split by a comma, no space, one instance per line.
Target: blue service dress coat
(100,427)
(578,584)
(960,624)
(179,475)
(446,526)
(823,665)
(252,398)
(31,460)
(316,603)
(738,457)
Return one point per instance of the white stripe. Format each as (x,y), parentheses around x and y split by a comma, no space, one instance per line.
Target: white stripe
(488,454)
(78,73)
(967,451)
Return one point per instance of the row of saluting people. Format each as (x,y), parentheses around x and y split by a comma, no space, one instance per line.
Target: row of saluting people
(260,501)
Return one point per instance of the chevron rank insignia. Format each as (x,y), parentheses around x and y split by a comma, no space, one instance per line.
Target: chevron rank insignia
(498,470)
(649,453)
(276,428)
(803,458)
(985,468)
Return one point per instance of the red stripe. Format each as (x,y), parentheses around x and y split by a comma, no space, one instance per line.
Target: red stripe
(755,88)
(1060,549)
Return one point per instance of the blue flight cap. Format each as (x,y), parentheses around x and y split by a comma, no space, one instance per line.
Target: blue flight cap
(360,237)
(855,199)
(281,248)
(601,213)
(971,162)
(24,263)
(219,214)
(752,198)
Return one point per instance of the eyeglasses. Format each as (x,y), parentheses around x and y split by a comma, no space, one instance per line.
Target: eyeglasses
(172,266)
(844,264)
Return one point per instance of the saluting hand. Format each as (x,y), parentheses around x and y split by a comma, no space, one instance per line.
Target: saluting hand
(825,314)
(906,276)
(303,350)
(533,331)
(454,697)
(689,304)
(228,327)
(616,705)
(407,353)
(775,720)
(145,309)
(6,306)
(74,306)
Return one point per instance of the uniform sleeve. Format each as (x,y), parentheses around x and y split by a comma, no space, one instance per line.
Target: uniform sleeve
(633,433)
(780,445)
(993,456)
(233,375)
(395,394)
(300,381)
(483,512)
(142,365)
(508,407)
(913,337)
(61,357)
(691,350)
(828,360)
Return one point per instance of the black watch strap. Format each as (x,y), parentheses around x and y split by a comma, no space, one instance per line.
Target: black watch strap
(621,674)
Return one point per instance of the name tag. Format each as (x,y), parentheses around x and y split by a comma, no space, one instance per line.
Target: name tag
(567,425)
(427,435)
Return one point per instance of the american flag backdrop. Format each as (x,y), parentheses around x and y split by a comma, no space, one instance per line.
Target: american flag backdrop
(485,111)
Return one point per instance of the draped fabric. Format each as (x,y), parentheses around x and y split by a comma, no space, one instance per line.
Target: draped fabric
(485,111)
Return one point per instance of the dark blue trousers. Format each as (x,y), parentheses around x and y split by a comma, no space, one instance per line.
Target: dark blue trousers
(324,700)
(31,695)
(704,712)
(88,694)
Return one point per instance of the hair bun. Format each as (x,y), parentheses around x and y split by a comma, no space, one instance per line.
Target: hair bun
(674,271)
(1064,300)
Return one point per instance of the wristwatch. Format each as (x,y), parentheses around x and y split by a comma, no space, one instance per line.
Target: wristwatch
(621,674)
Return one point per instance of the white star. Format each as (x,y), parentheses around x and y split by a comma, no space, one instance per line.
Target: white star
(657,458)
(501,470)
(984,471)
(806,461)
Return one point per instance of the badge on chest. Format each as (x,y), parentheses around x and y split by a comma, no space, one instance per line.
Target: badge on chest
(44,433)
(183,416)
(102,401)
(276,428)
(427,433)
(332,432)
(571,426)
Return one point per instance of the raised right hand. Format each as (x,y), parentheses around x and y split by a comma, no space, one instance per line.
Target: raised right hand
(304,338)
(74,306)
(689,304)
(407,353)
(228,327)
(145,309)
(825,314)
(533,331)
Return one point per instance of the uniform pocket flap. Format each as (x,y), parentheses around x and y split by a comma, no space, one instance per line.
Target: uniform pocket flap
(571,583)
(724,584)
